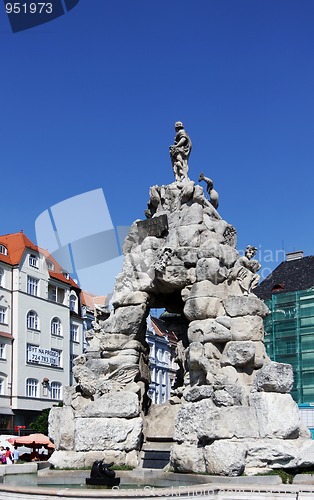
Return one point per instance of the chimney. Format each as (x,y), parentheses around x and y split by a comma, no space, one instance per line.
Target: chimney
(294,255)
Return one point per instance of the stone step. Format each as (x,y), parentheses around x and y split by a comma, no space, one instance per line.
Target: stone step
(155,459)
(157,446)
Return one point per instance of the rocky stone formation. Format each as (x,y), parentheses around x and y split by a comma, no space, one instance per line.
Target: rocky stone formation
(233,410)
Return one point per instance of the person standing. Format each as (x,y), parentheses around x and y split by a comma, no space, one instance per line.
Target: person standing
(15,455)
(2,455)
(8,456)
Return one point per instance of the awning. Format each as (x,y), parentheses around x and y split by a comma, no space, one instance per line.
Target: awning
(6,411)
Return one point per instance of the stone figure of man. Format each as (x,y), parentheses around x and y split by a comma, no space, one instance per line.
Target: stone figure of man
(180,152)
(245,270)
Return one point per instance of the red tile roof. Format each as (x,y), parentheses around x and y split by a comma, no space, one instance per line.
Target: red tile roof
(16,243)
(90,300)
(161,329)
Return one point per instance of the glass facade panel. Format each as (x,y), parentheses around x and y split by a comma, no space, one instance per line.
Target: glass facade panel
(289,338)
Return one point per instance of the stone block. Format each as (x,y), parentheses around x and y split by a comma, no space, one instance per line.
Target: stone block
(208,330)
(210,269)
(238,353)
(187,458)
(61,427)
(260,357)
(274,377)
(123,404)
(247,328)
(274,453)
(203,308)
(189,236)
(151,243)
(208,249)
(159,422)
(192,214)
(245,306)
(203,421)
(197,393)
(94,434)
(126,320)
(278,415)
(188,255)
(129,299)
(225,458)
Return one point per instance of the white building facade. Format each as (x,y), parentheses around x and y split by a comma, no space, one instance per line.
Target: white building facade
(162,354)
(41,330)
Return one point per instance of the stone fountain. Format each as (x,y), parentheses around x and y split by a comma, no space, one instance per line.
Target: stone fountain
(231,409)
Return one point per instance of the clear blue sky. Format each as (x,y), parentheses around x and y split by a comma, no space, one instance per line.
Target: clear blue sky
(89,101)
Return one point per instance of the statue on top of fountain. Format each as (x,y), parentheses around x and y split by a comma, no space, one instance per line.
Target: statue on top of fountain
(180,152)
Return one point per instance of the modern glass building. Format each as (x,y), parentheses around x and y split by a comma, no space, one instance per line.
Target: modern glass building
(289,329)
(289,338)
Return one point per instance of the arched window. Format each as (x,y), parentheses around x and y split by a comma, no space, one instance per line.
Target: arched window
(32,388)
(56,390)
(3,250)
(1,277)
(73,301)
(56,327)
(1,386)
(32,320)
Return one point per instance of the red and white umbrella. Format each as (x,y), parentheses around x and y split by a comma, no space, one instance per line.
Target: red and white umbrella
(34,441)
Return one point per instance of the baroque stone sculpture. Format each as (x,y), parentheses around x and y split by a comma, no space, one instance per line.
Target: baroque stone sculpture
(210,189)
(231,411)
(180,152)
(102,474)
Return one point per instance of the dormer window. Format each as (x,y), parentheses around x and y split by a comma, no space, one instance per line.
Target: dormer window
(278,287)
(73,302)
(66,275)
(50,265)
(3,250)
(33,260)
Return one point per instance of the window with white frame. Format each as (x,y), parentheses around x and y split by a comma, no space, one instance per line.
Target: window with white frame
(55,390)
(1,277)
(74,333)
(56,327)
(73,300)
(32,285)
(151,350)
(33,260)
(3,250)
(3,315)
(32,388)
(32,320)
(56,294)
(1,386)
(2,350)
(58,361)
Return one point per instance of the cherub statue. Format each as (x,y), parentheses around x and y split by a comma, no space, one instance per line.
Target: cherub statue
(210,190)
(180,152)
(245,269)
